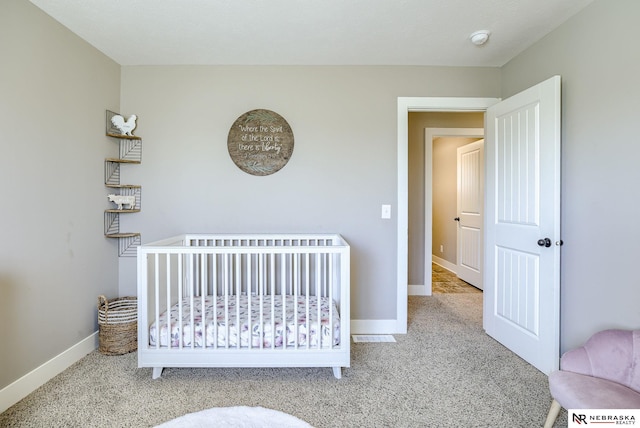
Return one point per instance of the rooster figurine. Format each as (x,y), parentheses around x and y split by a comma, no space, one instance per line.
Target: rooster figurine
(125,127)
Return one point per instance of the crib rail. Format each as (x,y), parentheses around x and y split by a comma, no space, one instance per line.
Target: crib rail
(254,281)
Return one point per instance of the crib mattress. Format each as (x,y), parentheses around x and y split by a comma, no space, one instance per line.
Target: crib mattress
(222,330)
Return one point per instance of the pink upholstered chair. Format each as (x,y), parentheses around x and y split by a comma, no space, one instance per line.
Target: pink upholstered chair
(602,374)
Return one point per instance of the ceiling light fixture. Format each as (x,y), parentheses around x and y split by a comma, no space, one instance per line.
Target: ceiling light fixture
(479,38)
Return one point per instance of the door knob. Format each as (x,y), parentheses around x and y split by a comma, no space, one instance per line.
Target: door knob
(546,242)
(457,219)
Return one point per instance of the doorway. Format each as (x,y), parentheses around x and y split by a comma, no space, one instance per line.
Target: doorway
(432,230)
(523,135)
(443,239)
(406,105)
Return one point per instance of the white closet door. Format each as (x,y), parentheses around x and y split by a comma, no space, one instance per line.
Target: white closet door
(470,212)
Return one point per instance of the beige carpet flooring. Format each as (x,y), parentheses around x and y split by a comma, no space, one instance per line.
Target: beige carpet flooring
(446,372)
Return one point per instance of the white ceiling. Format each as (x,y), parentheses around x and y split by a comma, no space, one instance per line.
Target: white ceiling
(310,32)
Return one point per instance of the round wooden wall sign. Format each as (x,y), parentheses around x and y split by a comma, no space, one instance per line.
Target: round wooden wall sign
(260,142)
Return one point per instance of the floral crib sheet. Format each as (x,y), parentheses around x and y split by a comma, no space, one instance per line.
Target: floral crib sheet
(272,334)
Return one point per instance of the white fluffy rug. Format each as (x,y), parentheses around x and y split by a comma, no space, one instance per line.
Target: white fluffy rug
(242,416)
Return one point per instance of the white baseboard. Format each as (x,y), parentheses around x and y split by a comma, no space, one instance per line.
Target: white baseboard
(28,383)
(375,327)
(418,290)
(445,264)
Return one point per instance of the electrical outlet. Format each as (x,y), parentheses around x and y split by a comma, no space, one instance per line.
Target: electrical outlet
(442,248)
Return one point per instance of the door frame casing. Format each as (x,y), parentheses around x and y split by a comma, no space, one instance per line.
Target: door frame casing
(406,105)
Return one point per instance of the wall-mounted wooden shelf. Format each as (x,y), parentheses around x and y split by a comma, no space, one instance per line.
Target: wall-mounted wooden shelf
(123,235)
(120,136)
(118,160)
(124,186)
(122,211)
(130,152)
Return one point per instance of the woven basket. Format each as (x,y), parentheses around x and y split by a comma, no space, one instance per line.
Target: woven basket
(118,325)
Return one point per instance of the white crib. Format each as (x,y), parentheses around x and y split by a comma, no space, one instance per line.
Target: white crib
(262,300)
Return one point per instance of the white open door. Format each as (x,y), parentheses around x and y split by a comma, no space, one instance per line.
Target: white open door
(470,207)
(522,224)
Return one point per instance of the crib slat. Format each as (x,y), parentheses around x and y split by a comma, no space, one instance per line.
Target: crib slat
(226,300)
(168,307)
(307,318)
(273,300)
(214,293)
(318,300)
(203,296)
(296,267)
(192,266)
(283,289)
(180,302)
(156,264)
(330,294)
(238,293)
(261,276)
(248,271)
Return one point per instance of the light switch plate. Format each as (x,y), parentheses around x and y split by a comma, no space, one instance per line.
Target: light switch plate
(386,211)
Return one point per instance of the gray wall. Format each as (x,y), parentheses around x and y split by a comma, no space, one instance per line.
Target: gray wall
(54,260)
(596,54)
(342,170)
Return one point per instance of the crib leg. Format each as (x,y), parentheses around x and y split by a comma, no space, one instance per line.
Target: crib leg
(337,372)
(157,372)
